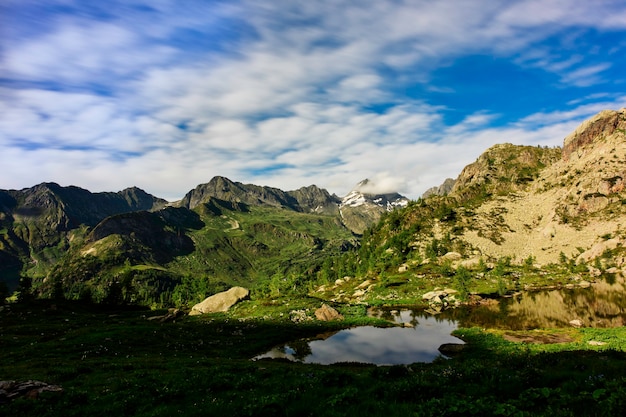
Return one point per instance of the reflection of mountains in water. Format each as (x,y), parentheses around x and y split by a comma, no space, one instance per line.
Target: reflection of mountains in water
(603,304)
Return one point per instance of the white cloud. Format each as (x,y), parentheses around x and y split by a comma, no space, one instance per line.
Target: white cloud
(315,87)
(586,76)
(383,183)
(83,52)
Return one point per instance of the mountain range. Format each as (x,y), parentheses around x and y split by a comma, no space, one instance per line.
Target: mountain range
(49,230)
(544,204)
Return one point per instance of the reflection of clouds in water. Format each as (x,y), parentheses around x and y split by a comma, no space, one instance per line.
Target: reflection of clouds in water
(381,346)
(283,352)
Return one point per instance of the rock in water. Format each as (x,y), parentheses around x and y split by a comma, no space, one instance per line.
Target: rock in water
(327,313)
(220,302)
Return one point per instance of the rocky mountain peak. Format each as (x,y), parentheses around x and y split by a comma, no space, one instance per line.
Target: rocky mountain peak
(315,199)
(603,126)
(537,202)
(365,192)
(305,199)
(502,169)
(363,206)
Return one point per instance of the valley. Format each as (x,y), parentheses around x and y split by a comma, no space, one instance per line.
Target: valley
(96,288)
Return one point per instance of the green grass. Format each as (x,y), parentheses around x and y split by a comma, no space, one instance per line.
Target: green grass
(265,242)
(116,362)
(258,249)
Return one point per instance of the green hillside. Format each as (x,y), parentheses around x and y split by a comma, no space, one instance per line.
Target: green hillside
(177,256)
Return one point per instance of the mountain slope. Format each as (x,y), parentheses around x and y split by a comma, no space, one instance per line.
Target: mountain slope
(525,202)
(574,203)
(37,223)
(186,255)
(91,245)
(358,210)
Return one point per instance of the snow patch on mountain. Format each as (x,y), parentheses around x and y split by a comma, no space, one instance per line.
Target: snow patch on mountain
(353,199)
(359,196)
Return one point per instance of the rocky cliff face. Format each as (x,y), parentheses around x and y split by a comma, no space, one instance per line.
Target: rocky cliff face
(503,169)
(316,200)
(236,192)
(604,126)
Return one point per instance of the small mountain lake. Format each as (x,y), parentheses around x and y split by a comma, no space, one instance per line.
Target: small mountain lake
(603,304)
(368,344)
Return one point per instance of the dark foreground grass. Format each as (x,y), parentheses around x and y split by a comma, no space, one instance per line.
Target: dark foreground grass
(118,363)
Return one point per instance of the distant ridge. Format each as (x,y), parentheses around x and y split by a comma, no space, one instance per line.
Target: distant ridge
(305,199)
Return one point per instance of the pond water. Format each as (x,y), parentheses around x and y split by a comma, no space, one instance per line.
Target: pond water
(603,304)
(368,344)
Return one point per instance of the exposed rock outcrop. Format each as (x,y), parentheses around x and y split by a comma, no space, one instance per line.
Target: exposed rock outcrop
(220,302)
(442,190)
(439,299)
(327,313)
(599,127)
(11,390)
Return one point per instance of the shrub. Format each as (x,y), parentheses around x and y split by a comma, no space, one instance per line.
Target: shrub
(529,263)
(461,280)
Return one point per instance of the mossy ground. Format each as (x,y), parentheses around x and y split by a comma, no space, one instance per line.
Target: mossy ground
(117,362)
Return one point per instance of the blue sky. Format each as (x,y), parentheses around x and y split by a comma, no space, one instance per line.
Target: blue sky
(165,95)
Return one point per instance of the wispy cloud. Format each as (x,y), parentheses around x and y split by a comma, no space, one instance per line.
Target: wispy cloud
(165,95)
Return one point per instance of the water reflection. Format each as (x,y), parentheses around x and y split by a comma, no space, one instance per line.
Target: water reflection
(380,346)
(601,305)
(420,334)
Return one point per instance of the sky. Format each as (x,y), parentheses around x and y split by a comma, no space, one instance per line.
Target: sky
(165,95)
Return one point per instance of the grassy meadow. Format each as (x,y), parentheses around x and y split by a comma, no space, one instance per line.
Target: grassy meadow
(116,361)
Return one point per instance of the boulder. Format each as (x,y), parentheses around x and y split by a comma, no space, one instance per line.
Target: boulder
(470,263)
(327,313)
(451,349)
(432,295)
(438,299)
(576,323)
(452,256)
(220,302)
(598,249)
(10,390)
(358,293)
(364,284)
